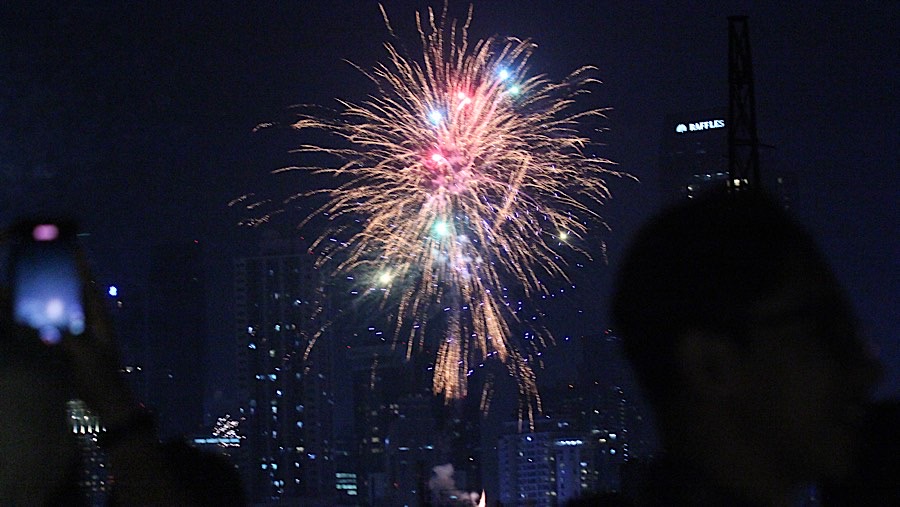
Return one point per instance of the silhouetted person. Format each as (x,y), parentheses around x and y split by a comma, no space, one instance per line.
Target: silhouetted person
(609,499)
(206,478)
(39,458)
(875,480)
(747,350)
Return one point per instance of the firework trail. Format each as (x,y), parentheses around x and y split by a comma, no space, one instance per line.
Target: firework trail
(465,174)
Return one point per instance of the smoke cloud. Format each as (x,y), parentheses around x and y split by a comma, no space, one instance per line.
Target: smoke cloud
(444,492)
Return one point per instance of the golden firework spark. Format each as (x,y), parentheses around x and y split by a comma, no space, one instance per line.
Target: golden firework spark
(466,174)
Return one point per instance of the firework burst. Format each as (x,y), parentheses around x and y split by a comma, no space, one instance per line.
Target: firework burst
(465,174)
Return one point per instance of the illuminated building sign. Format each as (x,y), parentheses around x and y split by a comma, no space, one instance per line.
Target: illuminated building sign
(681,128)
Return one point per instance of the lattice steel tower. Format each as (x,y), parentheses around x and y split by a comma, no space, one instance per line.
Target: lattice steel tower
(743,142)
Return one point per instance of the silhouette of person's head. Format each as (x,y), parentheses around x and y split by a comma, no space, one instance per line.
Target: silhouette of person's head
(744,343)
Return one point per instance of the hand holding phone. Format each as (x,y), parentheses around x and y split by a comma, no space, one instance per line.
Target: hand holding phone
(46,286)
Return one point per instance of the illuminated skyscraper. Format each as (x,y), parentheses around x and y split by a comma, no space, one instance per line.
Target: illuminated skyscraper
(694,158)
(377,379)
(381,380)
(285,385)
(595,425)
(694,154)
(94,479)
(400,429)
(617,416)
(545,468)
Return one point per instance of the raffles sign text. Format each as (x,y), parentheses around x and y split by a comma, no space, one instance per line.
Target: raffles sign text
(700,125)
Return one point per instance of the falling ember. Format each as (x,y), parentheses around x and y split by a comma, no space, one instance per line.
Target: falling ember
(462,170)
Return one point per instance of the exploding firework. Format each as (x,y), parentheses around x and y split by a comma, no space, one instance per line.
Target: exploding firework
(464,174)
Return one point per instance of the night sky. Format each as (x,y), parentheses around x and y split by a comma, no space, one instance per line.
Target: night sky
(137,118)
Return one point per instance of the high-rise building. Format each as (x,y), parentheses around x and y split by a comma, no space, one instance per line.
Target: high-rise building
(618,417)
(380,380)
(176,330)
(694,158)
(411,450)
(694,154)
(94,480)
(284,375)
(402,431)
(544,468)
(595,425)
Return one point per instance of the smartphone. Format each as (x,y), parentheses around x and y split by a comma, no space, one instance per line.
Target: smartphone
(45,282)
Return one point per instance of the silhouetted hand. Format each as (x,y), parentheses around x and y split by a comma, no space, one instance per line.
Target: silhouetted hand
(95,366)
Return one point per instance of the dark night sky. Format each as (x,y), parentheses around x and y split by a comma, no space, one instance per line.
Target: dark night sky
(137,118)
